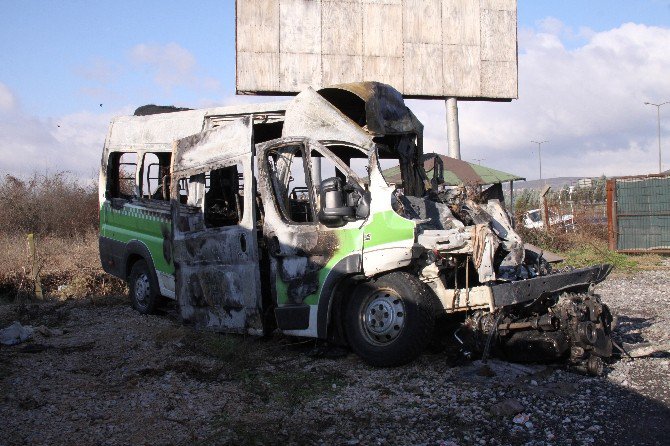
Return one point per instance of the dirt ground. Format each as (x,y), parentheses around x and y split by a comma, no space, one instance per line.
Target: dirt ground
(114,377)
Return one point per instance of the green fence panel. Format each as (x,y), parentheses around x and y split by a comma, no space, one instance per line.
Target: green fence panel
(643,213)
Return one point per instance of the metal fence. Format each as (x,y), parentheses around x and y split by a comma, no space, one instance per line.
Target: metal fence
(570,207)
(638,214)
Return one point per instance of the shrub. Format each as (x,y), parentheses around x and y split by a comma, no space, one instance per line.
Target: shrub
(63,214)
(48,204)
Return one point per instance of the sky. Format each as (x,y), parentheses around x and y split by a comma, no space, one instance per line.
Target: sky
(585,70)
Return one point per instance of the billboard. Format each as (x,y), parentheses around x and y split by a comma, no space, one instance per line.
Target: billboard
(424,48)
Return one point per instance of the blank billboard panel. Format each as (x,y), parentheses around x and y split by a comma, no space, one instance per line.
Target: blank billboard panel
(424,48)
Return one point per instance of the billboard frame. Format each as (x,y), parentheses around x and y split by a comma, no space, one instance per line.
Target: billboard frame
(504,13)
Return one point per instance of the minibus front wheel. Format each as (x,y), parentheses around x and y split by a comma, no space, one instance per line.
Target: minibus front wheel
(390,320)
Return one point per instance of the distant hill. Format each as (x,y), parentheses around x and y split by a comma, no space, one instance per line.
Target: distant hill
(555,183)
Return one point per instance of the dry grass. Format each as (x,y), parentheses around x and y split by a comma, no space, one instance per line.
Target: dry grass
(558,239)
(69,263)
(63,215)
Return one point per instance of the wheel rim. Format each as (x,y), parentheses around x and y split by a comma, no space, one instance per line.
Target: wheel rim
(142,289)
(383,317)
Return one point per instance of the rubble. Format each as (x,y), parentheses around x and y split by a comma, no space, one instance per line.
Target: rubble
(48,332)
(646,349)
(15,334)
(507,408)
(521,418)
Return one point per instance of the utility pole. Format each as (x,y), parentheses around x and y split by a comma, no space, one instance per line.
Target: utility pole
(539,154)
(658,116)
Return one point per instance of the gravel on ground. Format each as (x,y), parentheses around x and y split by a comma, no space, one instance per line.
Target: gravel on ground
(97,372)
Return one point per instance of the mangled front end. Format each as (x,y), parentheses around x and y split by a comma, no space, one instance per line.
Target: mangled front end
(459,242)
(515,306)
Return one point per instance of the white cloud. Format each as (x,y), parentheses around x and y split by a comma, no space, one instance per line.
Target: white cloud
(74,142)
(171,65)
(99,70)
(587,102)
(233,100)
(71,142)
(29,144)
(7,100)
(551,26)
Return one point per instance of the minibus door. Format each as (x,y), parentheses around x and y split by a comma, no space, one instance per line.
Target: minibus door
(214,233)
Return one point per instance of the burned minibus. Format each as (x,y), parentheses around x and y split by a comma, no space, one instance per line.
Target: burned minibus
(278,216)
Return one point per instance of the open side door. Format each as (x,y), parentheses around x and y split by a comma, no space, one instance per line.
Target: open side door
(214,232)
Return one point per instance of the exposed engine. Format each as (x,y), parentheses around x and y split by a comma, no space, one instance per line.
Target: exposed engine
(517,307)
(572,327)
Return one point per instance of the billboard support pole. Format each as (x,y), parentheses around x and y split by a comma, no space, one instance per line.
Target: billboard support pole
(452,128)
(316,171)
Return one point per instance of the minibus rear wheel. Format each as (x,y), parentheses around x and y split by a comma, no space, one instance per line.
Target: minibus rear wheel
(142,288)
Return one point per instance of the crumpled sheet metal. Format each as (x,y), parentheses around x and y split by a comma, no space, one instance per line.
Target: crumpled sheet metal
(484,246)
(385,109)
(206,150)
(310,115)
(153,132)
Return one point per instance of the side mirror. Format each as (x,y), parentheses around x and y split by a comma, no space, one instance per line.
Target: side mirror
(357,198)
(363,206)
(335,212)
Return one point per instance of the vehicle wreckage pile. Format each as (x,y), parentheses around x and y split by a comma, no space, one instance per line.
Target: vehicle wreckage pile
(539,314)
(251,237)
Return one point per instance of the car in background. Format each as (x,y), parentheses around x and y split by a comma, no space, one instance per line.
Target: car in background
(533,220)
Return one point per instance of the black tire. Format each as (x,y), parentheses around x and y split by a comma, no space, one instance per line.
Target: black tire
(390,321)
(142,288)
